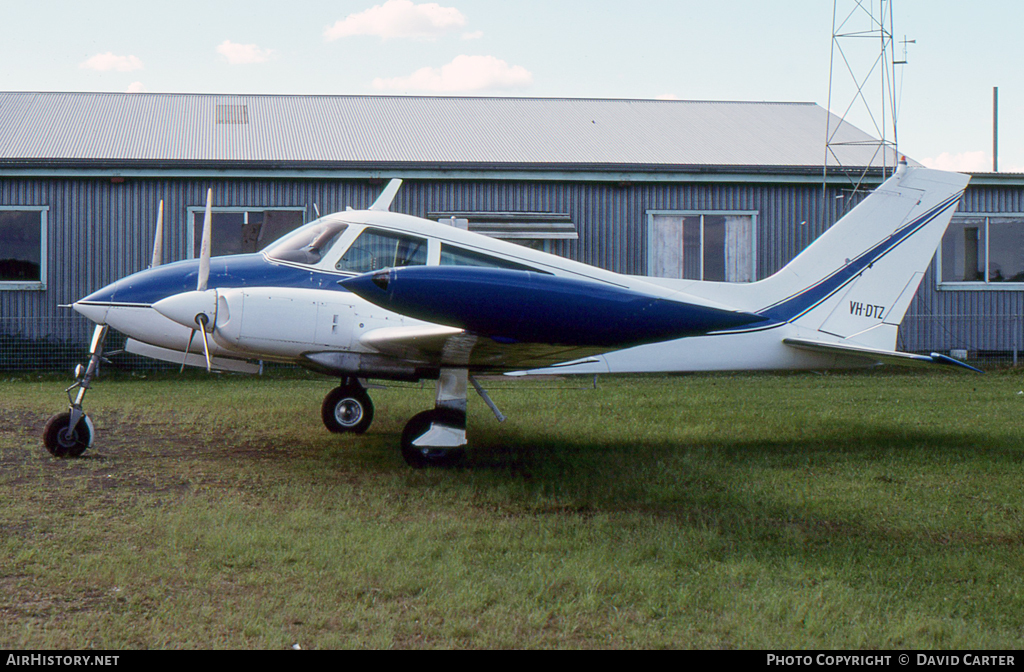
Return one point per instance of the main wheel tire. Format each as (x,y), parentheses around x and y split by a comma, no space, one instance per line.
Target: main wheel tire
(347,409)
(63,443)
(419,457)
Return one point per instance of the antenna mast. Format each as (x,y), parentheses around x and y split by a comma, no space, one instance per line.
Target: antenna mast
(863,48)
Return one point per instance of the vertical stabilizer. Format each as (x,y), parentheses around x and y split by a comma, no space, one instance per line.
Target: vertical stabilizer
(857,280)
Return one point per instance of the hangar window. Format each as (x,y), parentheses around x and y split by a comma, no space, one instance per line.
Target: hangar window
(982,251)
(701,245)
(242,230)
(536,230)
(22,247)
(374,250)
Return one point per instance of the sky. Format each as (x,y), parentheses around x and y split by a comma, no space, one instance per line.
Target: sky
(744,50)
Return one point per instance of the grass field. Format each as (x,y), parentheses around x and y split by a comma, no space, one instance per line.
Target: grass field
(872,510)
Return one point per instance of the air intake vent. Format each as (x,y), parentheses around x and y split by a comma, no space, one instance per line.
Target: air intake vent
(232,114)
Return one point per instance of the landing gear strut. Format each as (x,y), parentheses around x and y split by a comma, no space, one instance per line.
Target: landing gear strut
(71,434)
(435,438)
(347,408)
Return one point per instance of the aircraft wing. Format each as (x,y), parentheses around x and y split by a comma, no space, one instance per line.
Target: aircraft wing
(451,346)
(872,354)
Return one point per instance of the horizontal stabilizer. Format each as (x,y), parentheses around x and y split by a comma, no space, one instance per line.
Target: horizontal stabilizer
(168,355)
(882,356)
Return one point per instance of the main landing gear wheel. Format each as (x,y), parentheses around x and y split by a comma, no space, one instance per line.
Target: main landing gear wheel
(347,409)
(62,442)
(419,457)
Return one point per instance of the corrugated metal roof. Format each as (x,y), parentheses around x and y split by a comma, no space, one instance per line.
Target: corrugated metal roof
(296,130)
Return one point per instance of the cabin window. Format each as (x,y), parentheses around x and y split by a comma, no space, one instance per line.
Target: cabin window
(716,246)
(374,250)
(982,251)
(22,247)
(456,256)
(242,230)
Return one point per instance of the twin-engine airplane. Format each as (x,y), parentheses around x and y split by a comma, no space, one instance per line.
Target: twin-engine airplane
(374,294)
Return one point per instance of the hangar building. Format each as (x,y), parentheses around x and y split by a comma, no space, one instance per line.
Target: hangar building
(606,182)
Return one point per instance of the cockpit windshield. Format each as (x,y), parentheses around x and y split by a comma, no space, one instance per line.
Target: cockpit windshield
(308,244)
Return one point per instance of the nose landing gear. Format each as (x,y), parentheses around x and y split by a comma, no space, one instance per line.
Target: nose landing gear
(347,408)
(71,434)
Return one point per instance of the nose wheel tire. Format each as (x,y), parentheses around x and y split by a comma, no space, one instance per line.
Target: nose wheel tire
(419,457)
(347,409)
(61,441)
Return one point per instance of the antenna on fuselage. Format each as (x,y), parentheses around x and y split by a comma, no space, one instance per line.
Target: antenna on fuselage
(383,201)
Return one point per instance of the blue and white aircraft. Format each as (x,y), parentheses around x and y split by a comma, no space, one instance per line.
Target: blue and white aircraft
(372,294)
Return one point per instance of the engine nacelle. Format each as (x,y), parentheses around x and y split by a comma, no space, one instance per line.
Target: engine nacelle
(283,321)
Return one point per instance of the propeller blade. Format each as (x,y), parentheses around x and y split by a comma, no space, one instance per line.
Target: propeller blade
(204,247)
(158,238)
(185,358)
(203,320)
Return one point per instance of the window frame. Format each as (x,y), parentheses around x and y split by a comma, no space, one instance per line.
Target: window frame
(976,285)
(651,252)
(31,285)
(190,236)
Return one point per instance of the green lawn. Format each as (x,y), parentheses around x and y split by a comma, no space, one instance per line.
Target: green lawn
(869,510)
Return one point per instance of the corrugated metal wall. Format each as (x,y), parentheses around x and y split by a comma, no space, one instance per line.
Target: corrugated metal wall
(975,320)
(100,230)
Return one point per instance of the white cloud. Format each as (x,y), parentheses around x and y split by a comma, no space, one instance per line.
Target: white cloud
(398,18)
(667,96)
(465,73)
(239,54)
(135,87)
(110,61)
(475,35)
(969,162)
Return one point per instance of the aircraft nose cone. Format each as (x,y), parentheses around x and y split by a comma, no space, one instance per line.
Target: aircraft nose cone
(95,306)
(186,307)
(97,312)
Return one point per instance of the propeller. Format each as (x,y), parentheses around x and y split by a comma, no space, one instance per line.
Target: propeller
(185,358)
(202,320)
(204,246)
(158,238)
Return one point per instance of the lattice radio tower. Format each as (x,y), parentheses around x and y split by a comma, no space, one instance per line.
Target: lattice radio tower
(863,50)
